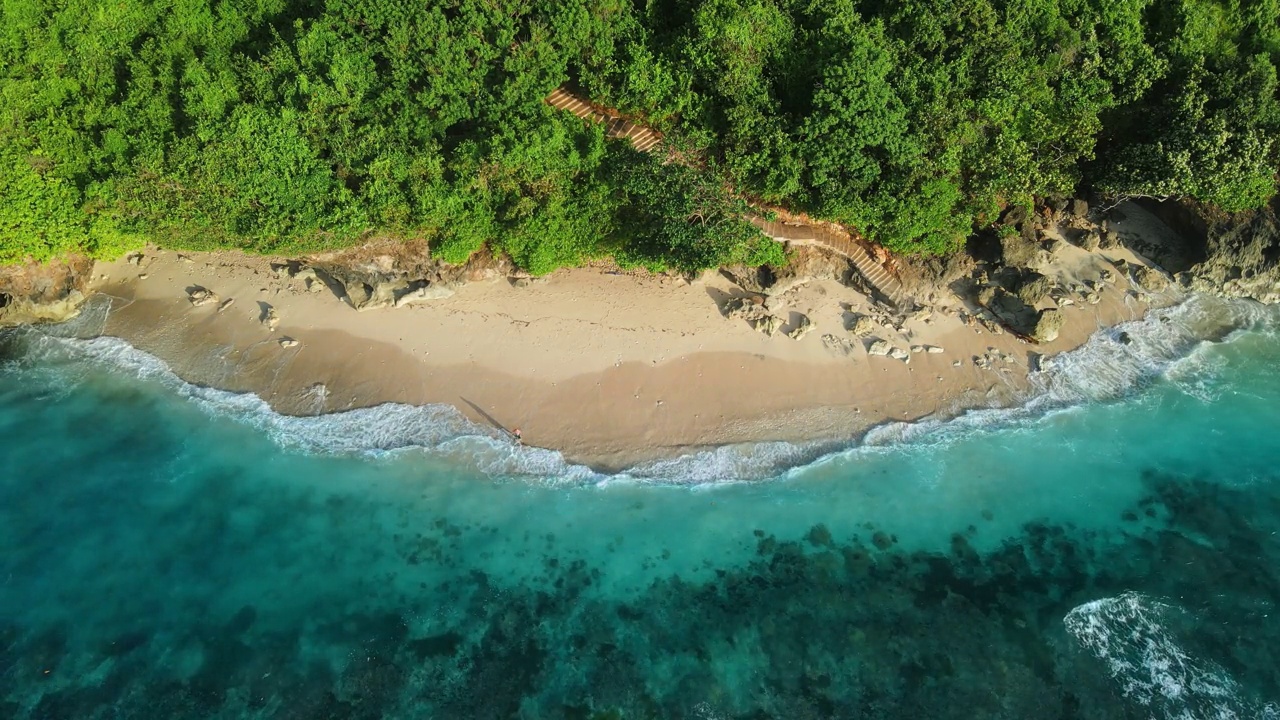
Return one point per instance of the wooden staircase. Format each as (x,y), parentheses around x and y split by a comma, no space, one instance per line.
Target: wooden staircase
(645,139)
(858,252)
(642,138)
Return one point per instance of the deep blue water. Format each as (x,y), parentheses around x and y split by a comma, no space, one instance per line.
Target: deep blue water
(1108,551)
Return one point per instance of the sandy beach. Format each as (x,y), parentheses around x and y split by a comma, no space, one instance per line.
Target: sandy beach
(610,368)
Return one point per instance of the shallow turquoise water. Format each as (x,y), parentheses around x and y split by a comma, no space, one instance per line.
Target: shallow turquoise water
(1109,551)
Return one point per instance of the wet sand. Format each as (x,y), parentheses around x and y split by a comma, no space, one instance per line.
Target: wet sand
(610,368)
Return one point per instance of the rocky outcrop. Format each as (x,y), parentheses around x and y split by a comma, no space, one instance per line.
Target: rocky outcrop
(426,294)
(43,292)
(395,275)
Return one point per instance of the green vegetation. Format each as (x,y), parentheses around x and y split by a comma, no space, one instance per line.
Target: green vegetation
(286,127)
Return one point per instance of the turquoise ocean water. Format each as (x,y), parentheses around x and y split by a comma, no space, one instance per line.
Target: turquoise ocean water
(1109,550)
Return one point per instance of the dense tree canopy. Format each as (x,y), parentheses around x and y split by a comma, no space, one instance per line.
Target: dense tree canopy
(280,126)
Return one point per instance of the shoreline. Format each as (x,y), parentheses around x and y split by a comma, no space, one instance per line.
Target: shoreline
(610,369)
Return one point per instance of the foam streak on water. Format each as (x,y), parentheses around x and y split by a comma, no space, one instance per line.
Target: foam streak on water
(1113,364)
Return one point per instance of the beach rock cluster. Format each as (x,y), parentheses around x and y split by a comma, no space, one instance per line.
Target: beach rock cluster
(393,275)
(1015,284)
(43,292)
(755,311)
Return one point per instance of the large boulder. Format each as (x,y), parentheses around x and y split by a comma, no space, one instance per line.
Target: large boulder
(1034,288)
(384,294)
(1230,254)
(1110,238)
(1048,325)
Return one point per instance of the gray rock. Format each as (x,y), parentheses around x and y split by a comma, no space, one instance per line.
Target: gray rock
(270,318)
(769,325)
(898,353)
(288,343)
(1090,240)
(934,350)
(1018,251)
(880,348)
(743,308)
(803,327)
(1079,208)
(200,297)
(864,326)
(750,278)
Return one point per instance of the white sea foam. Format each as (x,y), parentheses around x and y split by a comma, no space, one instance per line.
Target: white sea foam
(440,430)
(1130,635)
(1117,360)
(1175,343)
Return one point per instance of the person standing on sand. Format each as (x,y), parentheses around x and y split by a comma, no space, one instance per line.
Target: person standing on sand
(518,436)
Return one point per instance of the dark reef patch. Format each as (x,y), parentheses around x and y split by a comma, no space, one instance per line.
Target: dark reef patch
(825,627)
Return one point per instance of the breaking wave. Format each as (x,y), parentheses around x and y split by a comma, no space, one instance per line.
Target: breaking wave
(1131,635)
(1172,343)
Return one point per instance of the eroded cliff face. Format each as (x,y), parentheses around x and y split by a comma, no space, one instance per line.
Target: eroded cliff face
(43,292)
(1242,255)
(1230,254)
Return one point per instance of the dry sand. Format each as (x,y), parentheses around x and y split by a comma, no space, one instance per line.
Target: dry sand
(609,368)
